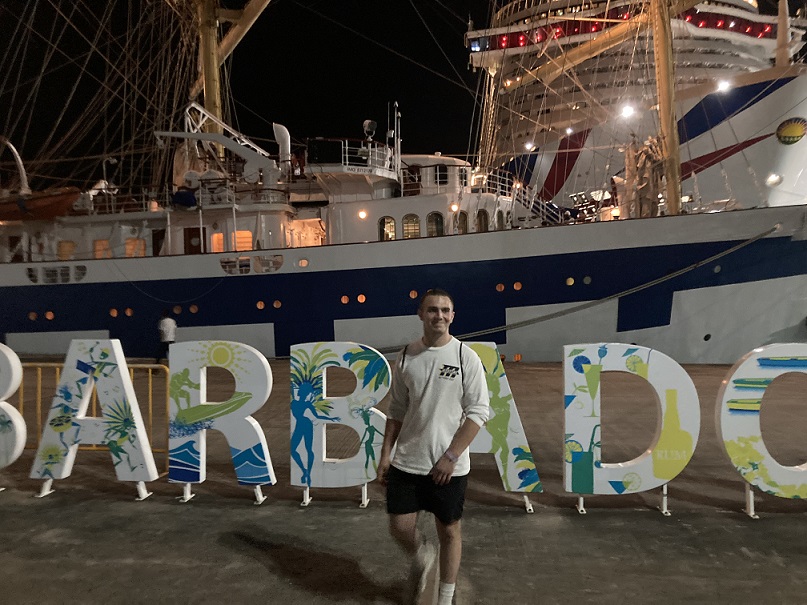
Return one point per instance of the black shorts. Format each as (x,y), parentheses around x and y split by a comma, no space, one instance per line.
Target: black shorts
(408,493)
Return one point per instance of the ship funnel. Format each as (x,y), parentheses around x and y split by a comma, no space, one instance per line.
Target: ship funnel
(283,139)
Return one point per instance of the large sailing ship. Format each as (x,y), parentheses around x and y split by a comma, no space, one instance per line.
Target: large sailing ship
(337,238)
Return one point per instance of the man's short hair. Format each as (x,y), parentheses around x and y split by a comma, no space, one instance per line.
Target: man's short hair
(435,292)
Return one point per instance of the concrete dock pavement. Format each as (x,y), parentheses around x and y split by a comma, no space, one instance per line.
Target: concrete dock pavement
(91,542)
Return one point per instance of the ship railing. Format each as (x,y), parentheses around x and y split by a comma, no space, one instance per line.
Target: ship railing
(228,192)
(351,153)
(107,202)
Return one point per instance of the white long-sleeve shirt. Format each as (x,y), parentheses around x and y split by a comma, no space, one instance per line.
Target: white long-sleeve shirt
(432,396)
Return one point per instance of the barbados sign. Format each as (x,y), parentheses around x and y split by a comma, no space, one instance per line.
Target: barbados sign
(100,366)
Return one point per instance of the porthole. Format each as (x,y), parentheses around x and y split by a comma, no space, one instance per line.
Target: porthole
(413,294)
(32,316)
(193,309)
(707,337)
(260,304)
(517,286)
(177,310)
(587,279)
(499,287)
(277,304)
(361,298)
(569,281)
(303,262)
(345,300)
(517,357)
(49,315)
(129,312)
(113,312)
(717,269)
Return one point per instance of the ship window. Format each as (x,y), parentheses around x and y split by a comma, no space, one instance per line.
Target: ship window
(441,174)
(33,274)
(192,309)
(411,181)
(235,265)
(277,304)
(386,229)
(462,222)
(464,177)
(101,249)
(242,240)
(51,275)
(66,249)
(64,274)
(482,221)
(411,226)
(135,247)
(267,264)
(434,224)
(217,242)
(499,220)
(79,271)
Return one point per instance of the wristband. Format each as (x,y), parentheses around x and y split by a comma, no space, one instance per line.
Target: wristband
(451,456)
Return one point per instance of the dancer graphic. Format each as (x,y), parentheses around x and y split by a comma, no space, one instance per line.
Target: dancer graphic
(303,404)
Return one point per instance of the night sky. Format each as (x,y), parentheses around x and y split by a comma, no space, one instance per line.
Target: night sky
(321,68)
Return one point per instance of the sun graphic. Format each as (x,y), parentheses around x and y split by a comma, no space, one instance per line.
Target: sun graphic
(228,355)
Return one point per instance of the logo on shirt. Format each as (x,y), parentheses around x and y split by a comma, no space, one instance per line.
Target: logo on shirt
(449,372)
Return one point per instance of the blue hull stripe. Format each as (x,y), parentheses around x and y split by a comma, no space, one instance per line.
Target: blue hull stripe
(311,301)
(718,107)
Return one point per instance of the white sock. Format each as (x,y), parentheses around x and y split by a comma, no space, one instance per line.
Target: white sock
(446,594)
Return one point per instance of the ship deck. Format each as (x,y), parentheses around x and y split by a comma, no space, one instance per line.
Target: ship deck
(91,542)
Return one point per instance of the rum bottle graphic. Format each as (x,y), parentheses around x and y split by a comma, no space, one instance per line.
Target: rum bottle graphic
(674,447)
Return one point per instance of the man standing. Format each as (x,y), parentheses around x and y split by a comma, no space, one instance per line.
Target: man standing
(439,403)
(168,334)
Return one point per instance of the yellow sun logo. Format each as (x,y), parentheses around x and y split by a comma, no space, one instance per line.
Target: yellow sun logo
(791,131)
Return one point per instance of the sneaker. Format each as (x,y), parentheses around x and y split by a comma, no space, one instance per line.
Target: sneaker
(422,564)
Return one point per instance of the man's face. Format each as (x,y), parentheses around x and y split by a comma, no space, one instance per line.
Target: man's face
(436,313)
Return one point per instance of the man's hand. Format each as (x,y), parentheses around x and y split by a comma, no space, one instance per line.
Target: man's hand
(382,470)
(442,471)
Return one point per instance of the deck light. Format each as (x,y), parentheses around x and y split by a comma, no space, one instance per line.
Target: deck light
(362,214)
(628,111)
(773,180)
(454,207)
(723,86)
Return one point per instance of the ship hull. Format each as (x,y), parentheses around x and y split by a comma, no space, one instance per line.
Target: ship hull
(712,312)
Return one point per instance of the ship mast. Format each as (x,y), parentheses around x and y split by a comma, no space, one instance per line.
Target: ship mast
(208,54)
(662,48)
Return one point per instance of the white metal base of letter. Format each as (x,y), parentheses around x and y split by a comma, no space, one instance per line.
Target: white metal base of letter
(365,499)
(749,502)
(142,492)
(306,497)
(581,507)
(46,489)
(259,497)
(528,505)
(187,494)
(663,508)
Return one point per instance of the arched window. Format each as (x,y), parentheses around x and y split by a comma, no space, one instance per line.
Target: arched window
(434,224)
(411,226)
(386,229)
(462,222)
(481,221)
(499,220)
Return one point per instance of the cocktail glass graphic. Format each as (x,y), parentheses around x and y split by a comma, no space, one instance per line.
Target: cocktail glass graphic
(592,373)
(582,462)
(636,364)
